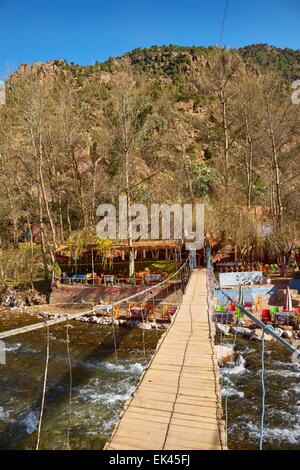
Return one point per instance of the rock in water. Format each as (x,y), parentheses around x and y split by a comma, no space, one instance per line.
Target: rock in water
(145,326)
(257,334)
(287,334)
(279,331)
(222,329)
(239,330)
(223,353)
(93,319)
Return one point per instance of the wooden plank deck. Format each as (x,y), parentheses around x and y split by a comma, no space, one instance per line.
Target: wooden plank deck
(177,403)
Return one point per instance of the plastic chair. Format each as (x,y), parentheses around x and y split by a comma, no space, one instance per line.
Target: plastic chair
(231,308)
(130,306)
(238,313)
(266,315)
(258,302)
(220,308)
(274,309)
(150,309)
(297,314)
(116,309)
(166,309)
(165,315)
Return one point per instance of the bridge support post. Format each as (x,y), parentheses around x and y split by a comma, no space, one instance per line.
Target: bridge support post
(208,264)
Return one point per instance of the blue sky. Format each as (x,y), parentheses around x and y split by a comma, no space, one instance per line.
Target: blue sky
(84,31)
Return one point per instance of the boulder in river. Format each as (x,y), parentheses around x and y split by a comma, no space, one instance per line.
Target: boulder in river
(279,331)
(145,326)
(223,353)
(222,329)
(287,334)
(239,330)
(257,334)
(93,319)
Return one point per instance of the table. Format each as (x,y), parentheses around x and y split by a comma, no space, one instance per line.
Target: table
(223,317)
(108,278)
(152,277)
(104,307)
(284,317)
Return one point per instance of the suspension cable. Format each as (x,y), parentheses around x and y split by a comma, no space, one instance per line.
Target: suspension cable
(263,390)
(70,387)
(44,387)
(223,23)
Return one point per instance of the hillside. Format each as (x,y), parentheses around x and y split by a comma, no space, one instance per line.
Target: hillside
(172,60)
(287,61)
(165,124)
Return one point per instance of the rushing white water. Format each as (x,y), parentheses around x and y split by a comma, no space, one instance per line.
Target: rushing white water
(241,384)
(29,422)
(238,368)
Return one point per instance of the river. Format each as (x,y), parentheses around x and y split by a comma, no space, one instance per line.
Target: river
(102,383)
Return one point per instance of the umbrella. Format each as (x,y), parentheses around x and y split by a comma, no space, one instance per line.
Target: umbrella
(288,306)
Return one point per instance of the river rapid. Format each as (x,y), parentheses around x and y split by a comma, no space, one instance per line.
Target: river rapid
(102,382)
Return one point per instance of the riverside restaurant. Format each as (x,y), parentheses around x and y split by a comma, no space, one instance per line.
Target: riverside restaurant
(155,260)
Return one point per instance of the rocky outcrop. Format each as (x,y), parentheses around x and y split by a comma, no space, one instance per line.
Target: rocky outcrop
(21,298)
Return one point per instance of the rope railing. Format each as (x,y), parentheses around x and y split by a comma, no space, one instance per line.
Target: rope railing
(36,326)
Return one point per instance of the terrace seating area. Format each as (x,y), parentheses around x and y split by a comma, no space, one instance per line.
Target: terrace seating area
(274,314)
(143,311)
(114,279)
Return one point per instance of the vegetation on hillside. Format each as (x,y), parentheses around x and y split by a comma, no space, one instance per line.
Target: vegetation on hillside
(286,61)
(169,124)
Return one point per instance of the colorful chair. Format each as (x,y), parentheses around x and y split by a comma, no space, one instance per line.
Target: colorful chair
(151,310)
(231,308)
(274,309)
(238,313)
(165,315)
(266,315)
(130,306)
(116,309)
(297,314)
(220,308)
(258,302)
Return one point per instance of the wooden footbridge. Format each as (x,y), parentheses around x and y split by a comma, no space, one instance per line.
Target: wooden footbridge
(177,403)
